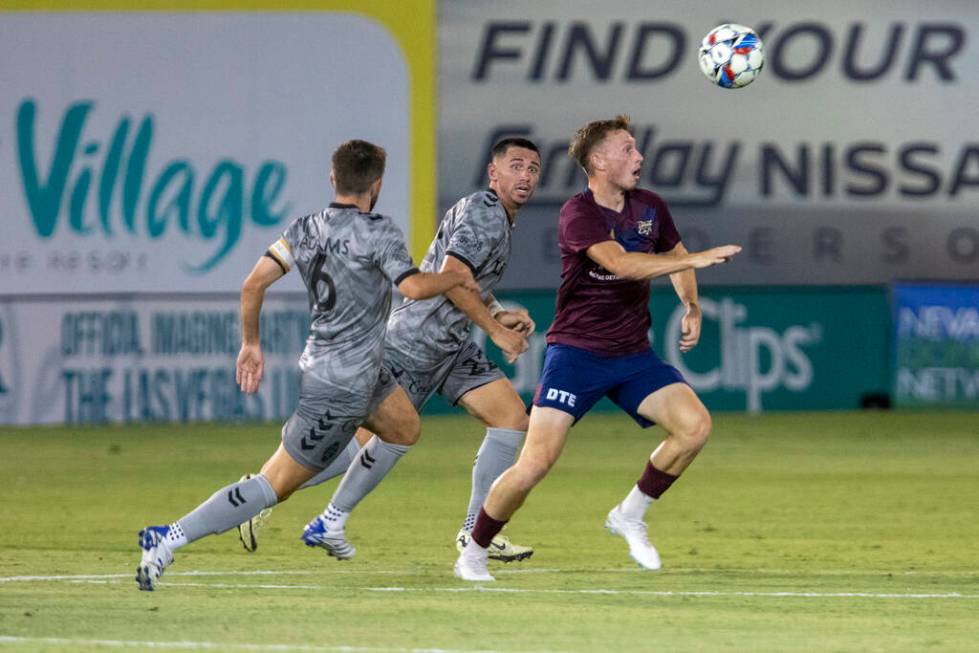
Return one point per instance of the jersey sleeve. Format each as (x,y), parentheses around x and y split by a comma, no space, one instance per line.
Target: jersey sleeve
(288,248)
(391,254)
(580,226)
(668,237)
(477,234)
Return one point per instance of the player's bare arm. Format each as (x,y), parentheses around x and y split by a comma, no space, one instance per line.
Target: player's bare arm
(251,363)
(685,285)
(510,342)
(639,266)
(423,285)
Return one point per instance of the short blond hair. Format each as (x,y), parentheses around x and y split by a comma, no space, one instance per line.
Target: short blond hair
(586,138)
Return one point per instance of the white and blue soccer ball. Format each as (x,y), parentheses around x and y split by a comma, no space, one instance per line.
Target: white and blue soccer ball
(731,55)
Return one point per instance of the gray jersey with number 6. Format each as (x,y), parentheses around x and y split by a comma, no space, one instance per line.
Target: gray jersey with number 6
(348,261)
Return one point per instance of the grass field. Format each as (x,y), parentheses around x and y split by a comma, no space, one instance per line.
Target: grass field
(815,532)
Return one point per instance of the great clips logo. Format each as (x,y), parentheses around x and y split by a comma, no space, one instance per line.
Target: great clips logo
(98,185)
(744,351)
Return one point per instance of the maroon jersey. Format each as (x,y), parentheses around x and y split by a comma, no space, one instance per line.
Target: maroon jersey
(596,310)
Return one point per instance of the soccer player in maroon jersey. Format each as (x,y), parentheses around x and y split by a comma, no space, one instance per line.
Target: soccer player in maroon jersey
(614,238)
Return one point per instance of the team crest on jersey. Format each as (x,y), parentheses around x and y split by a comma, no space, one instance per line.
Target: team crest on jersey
(645,227)
(467,242)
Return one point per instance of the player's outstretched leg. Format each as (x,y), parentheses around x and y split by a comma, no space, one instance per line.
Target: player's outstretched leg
(233,504)
(678,410)
(226,508)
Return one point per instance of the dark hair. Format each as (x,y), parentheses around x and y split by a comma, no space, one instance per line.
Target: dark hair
(586,138)
(513,141)
(357,165)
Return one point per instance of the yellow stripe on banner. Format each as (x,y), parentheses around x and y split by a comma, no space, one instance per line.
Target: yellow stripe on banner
(413,23)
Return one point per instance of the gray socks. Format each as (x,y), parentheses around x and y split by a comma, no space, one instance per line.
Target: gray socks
(337,467)
(495,456)
(370,466)
(228,507)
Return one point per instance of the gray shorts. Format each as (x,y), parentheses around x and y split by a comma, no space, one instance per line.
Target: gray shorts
(452,377)
(327,418)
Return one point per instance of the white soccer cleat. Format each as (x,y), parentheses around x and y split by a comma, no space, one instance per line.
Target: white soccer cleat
(501,548)
(248,531)
(471,564)
(156,556)
(316,533)
(634,532)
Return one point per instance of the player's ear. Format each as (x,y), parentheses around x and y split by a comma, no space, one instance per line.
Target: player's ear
(596,160)
(333,178)
(491,171)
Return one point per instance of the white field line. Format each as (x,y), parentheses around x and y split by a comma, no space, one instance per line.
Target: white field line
(499,572)
(594,591)
(22,579)
(605,592)
(114,579)
(220,646)
(265,572)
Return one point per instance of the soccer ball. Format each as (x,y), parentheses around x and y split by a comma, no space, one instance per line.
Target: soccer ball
(731,55)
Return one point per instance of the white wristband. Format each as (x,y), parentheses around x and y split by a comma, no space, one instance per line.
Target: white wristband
(495,308)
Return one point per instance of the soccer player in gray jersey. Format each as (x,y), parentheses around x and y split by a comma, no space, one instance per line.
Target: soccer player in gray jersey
(348,258)
(429,350)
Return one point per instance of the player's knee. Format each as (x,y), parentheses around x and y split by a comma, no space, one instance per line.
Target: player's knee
(521,421)
(530,472)
(508,415)
(406,431)
(696,430)
(516,420)
(283,487)
(409,431)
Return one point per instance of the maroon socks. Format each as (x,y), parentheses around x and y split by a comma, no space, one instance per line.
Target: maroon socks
(486,529)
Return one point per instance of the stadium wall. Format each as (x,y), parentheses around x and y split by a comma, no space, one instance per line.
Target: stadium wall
(150,358)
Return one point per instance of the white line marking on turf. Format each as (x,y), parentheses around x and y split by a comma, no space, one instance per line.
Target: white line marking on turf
(112,579)
(261,572)
(594,591)
(222,646)
(519,571)
(513,590)
(251,572)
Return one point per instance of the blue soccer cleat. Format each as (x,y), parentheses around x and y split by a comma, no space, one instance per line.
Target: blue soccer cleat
(335,542)
(156,556)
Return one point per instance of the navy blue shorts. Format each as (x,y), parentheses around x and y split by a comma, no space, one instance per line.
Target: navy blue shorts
(574,379)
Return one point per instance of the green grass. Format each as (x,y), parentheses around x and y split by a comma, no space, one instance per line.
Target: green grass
(879,504)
